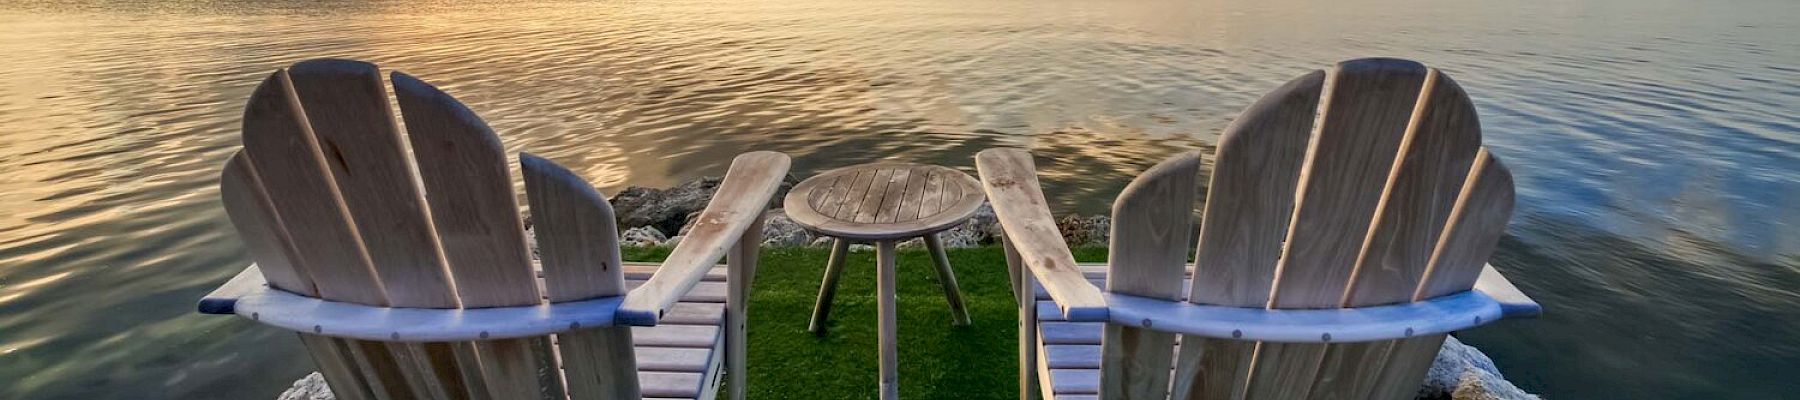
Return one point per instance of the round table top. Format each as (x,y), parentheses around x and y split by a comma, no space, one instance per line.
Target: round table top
(884,201)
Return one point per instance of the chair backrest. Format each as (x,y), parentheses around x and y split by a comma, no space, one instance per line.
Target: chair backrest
(331,203)
(1362,185)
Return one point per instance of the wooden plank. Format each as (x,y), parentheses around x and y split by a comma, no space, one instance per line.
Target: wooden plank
(671,359)
(695,336)
(870,203)
(741,270)
(1367,106)
(670,384)
(1440,142)
(1059,332)
(914,197)
(739,203)
(1027,322)
(703,292)
(469,191)
(852,201)
(1248,207)
(346,103)
(895,197)
(1152,222)
(1478,219)
(286,158)
(263,234)
(578,245)
(1011,183)
(884,295)
(643,271)
(931,198)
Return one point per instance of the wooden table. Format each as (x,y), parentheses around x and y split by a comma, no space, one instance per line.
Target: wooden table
(885,203)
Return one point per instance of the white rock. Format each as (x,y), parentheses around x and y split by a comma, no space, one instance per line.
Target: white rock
(642,236)
(860,248)
(780,231)
(675,240)
(311,387)
(1464,373)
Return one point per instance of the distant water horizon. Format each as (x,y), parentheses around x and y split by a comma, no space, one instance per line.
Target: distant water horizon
(1656,146)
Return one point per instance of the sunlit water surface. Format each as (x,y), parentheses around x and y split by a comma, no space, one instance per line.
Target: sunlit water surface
(1655,144)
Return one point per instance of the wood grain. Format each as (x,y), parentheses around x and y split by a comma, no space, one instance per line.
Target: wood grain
(1248,207)
(1367,106)
(262,232)
(1475,225)
(745,192)
(884,294)
(741,268)
(883,201)
(279,139)
(579,249)
(1026,302)
(347,105)
(1152,222)
(1010,179)
(1440,142)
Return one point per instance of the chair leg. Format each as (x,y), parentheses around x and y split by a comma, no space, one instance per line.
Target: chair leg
(890,357)
(828,287)
(946,278)
(740,267)
(1026,298)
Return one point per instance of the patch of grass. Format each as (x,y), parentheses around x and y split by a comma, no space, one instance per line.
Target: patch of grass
(937,360)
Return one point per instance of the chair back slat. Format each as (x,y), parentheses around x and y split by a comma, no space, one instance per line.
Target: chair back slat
(578,243)
(1359,186)
(261,231)
(346,105)
(1365,109)
(1475,225)
(1248,206)
(1427,176)
(462,168)
(285,155)
(1151,227)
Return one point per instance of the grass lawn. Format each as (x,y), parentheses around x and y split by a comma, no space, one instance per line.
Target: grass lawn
(937,360)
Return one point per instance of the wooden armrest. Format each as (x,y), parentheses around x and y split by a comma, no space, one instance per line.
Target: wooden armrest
(1010,180)
(1513,303)
(735,207)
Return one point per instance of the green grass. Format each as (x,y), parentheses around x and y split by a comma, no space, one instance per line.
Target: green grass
(937,360)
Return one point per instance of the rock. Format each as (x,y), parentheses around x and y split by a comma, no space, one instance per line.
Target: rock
(957,238)
(1078,230)
(780,231)
(861,248)
(673,240)
(311,387)
(668,210)
(1462,372)
(914,243)
(642,236)
(822,241)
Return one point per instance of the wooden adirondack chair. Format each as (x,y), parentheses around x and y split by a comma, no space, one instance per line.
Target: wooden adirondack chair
(408,275)
(1350,213)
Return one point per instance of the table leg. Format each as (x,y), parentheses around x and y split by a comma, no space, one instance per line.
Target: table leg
(884,281)
(958,312)
(828,287)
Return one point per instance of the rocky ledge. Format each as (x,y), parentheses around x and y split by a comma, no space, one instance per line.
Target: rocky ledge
(647,215)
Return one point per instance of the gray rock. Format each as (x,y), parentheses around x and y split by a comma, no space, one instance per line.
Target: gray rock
(1462,372)
(311,387)
(1078,230)
(822,241)
(668,209)
(642,236)
(780,231)
(861,248)
(914,243)
(673,240)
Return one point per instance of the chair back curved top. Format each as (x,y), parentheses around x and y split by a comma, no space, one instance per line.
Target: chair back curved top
(1362,185)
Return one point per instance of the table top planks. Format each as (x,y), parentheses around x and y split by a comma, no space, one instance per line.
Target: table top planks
(884,201)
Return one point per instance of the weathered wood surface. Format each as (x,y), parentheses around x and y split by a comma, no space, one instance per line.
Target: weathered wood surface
(834,268)
(959,313)
(889,332)
(739,203)
(1026,300)
(1362,186)
(741,269)
(579,251)
(884,201)
(1152,222)
(1010,179)
(331,203)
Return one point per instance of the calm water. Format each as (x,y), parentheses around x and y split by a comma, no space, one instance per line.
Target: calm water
(1656,145)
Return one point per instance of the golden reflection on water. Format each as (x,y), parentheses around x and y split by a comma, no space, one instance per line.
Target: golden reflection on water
(1643,125)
